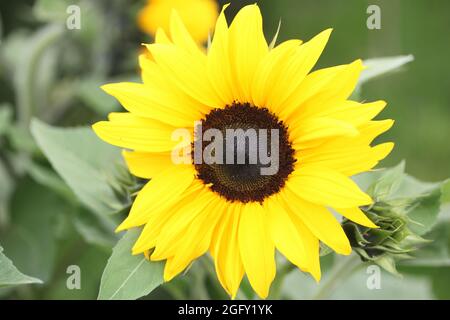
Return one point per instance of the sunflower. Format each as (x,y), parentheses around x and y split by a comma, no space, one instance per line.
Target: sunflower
(199,16)
(238,216)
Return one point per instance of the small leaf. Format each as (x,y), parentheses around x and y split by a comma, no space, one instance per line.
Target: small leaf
(275,37)
(425,212)
(84,162)
(10,276)
(379,66)
(388,264)
(388,183)
(126,276)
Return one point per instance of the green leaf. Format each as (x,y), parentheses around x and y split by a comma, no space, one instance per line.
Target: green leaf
(95,230)
(425,212)
(388,183)
(50,179)
(21,140)
(388,264)
(90,93)
(445,192)
(435,254)
(126,276)
(30,241)
(10,276)
(91,262)
(88,165)
(380,66)
(5,118)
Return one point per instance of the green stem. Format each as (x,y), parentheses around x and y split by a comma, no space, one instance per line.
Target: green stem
(339,273)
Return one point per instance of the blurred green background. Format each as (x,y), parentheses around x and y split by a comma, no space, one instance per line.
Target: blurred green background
(54,74)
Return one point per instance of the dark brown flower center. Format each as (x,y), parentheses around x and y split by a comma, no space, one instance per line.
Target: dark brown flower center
(255,178)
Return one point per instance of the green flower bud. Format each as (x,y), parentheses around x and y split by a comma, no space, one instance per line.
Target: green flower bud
(392,241)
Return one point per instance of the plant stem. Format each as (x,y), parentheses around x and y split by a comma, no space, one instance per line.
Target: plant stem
(339,273)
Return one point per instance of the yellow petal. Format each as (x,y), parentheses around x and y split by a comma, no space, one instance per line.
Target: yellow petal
(285,235)
(257,248)
(157,219)
(196,241)
(181,37)
(320,221)
(314,131)
(147,165)
(356,215)
(321,87)
(269,69)
(295,70)
(158,194)
(175,229)
(348,159)
(350,111)
(197,15)
(161,37)
(373,129)
(128,131)
(156,77)
(188,72)
(225,250)
(150,102)
(247,47)
(219,71)
(311,243)
(326,187)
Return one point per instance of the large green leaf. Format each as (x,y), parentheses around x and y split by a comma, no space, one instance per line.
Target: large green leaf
(91,262)
(127,276)
(30,239)
(88,165)
(10,276)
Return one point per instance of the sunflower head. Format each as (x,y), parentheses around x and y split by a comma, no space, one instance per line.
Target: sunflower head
(198,16)
(269,147)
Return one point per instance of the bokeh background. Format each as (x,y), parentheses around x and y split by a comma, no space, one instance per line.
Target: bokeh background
(54,74)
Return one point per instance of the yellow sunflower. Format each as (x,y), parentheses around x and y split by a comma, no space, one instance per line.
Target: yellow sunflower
(199,16)
(238,216)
